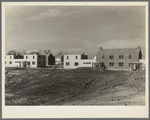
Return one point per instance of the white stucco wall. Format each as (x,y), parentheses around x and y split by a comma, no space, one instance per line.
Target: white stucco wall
(57,60)
(31,59)
(81,62)
(87,62)
(16,62)
(72,61)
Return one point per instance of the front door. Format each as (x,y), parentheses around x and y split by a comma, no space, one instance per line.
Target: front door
(28,64)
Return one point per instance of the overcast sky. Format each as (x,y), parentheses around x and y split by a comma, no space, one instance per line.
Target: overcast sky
(73,29)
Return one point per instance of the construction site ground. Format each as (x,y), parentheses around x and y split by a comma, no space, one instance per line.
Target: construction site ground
(44,86)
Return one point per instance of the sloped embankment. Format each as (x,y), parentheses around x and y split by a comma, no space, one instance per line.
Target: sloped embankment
(68,87)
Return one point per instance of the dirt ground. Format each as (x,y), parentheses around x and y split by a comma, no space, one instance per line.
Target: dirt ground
(43,86)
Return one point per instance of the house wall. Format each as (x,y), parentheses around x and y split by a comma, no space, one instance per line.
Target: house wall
(57,60)
(50,60)
(41,61)
(32,59)
(116,60)
(72,61)
(143,63)
(11,62)
(87,63)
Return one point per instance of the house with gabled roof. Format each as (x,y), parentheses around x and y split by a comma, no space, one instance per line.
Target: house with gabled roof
(118,59)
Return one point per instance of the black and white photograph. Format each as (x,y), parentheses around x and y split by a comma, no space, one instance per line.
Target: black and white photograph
(75,55)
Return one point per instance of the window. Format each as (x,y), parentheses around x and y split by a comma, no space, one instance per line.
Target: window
(121,56)
(76,63)
(33,63)
(43,56)
(111,57)
(120,64)
(5,62)
(33,57)
(103,56)
(86,62)
(111,64)
(67,57)
(10,57)
(67,63)
(129,64)
(26,57)
(10,62)
(130,56)
(76,57)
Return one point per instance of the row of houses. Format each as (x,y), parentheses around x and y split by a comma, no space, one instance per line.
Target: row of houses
(111,58)
(29,61)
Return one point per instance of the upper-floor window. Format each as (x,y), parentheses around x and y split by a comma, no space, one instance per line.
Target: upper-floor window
(121,56)
(103,56)
(67,63)
(67,57)
(10,57)
(130,56)
(10,62)
(33,57)
(26,57)
(5,62)
(111,64)
(120,64)
(111,57)
(33,63)
(76,63)
(76,57)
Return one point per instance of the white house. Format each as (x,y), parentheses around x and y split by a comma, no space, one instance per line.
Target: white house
(57,60)
(77,60)
(31,61)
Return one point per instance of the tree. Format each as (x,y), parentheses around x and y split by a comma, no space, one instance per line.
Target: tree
(61,54)
(12,52)
(47,51)
(24,52)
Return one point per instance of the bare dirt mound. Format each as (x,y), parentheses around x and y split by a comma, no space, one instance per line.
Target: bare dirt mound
(67,87)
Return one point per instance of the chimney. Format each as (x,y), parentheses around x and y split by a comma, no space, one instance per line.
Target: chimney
(101,48)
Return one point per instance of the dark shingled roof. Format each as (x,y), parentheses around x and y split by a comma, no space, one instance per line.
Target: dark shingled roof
(124,51)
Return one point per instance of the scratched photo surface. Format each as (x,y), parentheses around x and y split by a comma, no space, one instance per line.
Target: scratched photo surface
(75,55)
